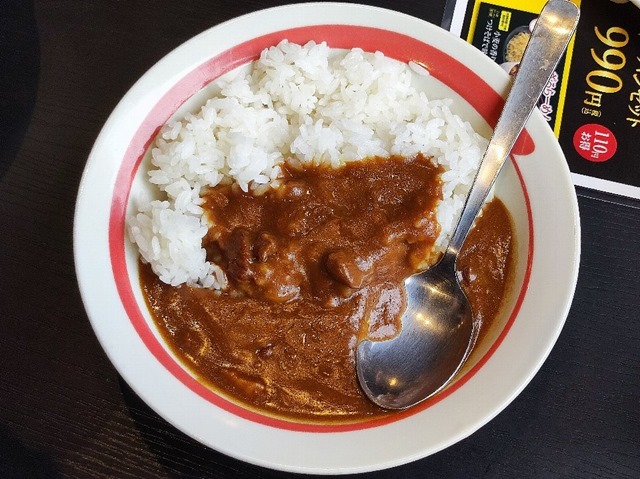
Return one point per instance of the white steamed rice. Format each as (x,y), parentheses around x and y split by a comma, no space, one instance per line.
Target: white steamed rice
(306,104)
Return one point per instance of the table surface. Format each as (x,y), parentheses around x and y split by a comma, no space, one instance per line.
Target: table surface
(65,412)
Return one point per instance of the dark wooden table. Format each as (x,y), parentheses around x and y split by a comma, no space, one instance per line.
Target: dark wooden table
(64,411)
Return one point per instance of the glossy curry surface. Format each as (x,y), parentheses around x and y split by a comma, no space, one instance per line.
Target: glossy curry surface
(313,267)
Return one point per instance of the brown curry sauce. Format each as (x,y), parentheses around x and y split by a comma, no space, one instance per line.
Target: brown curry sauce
(314,266)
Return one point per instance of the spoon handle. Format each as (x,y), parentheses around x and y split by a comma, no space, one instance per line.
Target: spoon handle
(549,39)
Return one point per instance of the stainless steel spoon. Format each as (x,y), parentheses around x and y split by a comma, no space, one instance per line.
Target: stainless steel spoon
(437,326)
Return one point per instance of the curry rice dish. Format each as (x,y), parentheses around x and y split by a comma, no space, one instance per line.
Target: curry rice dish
(296,202)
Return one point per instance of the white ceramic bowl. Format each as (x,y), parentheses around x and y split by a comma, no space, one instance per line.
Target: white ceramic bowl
(536,187)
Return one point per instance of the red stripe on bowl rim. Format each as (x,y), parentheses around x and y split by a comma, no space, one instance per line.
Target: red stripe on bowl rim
(445,68)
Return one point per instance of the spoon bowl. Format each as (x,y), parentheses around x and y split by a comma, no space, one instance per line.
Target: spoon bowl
(438,336)
(437,326)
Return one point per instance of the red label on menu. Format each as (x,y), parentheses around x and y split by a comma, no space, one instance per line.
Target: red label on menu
(595,142)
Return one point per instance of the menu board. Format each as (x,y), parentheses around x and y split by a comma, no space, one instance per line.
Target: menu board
(592,101)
